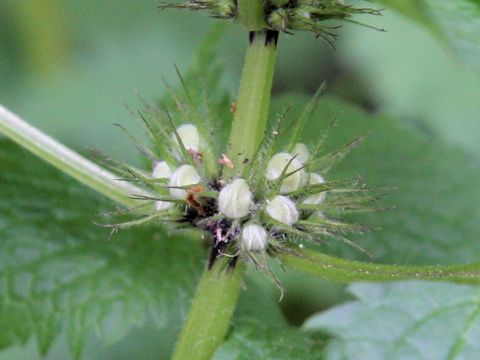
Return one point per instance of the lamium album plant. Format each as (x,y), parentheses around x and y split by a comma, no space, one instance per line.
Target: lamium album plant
(262,198)
(275,203)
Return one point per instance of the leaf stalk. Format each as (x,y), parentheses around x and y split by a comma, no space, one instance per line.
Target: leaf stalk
(348,271)
(67,160)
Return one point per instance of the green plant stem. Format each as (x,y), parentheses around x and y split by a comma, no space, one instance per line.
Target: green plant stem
(215,299)
(210,313)
(67,160)
(253,100)
(43,34)
(252,14)
(347,271)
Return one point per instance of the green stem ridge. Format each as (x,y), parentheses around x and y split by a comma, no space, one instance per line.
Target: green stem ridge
(250,119)
(210,312)
(217,293)
(347,271)
(251,13)
(67,160)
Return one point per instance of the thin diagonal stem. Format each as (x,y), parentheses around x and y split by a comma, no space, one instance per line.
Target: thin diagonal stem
(67,160)
(347,271)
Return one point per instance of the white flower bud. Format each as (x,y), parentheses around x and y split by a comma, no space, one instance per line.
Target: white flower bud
(302,152)
(163,205)
(185,175)
(254,237)
(277,165)
(282,209)
(317,214)
(188,133)
(306,14)
(161,170)
(235,199)
(315,199)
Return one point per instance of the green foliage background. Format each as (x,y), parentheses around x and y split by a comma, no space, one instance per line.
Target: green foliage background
(409,85)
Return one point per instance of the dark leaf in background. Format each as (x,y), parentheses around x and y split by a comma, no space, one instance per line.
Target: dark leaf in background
(456,21)
(58,270)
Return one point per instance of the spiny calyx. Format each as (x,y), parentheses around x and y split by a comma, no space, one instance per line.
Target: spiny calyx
(286,15)
(281,199)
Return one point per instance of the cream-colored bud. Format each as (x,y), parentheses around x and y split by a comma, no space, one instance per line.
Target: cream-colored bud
(317,214)
(190,137)
(302,152)
(306,14)
(276,166)
(235,199)
(254,237)
(161,170)
(185,175)
(163,205)
(283,210)
(315,199)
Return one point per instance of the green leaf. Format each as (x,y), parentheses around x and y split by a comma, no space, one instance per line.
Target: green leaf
(434,187)
(456,21)
(263,342)
(258,302)
(260,331)
(58,270)
(404,320)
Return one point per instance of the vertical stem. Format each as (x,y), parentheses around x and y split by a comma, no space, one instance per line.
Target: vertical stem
(210,313)
(43,34)
(251,13)
(217,293)
(253,100)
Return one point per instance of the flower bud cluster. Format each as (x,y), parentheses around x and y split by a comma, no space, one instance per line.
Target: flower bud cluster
(251,209)
(185,175)
(256,218)
(285,15)
(291,171)
(236,200)
(279,199)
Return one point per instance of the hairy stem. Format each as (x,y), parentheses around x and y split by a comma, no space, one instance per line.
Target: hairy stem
(253,100)
(251,14)
(347,271)
(217,293)
(210,313)
(67,160)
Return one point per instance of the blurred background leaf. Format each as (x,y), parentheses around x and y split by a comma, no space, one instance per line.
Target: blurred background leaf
(110,50)
(417,76)
(455,21)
